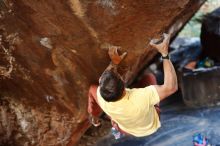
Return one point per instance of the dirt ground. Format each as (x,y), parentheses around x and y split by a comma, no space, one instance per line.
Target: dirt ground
(93,134)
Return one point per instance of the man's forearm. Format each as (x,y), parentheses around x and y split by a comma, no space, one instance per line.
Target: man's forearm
(93,107)
(112,67)
(170,79)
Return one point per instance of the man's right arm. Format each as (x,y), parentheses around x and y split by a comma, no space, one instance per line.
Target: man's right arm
(170,80)
(93,107)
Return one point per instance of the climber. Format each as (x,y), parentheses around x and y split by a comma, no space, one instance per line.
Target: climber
(132,111)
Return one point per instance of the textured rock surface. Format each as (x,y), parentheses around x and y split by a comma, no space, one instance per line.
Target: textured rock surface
(51,51)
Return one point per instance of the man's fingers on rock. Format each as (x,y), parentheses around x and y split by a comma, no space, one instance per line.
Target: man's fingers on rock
(118,47)
(166,37)
(123,55)
(111,51)
(152,44)
(116,51)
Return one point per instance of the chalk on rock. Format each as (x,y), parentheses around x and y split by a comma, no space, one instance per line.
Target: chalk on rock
(46,42)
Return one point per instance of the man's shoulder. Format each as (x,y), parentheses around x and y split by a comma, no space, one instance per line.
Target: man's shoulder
(140,89)
(99,97)
(98,91)
(142,92)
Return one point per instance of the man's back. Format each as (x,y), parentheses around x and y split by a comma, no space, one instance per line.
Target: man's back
(135,112)
(132,110)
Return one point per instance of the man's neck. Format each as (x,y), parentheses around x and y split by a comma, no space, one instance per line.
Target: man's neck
(123,95)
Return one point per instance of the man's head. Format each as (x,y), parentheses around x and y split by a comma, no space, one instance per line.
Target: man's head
(111,86)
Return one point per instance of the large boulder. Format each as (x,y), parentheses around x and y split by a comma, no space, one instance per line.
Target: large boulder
(51,51)
(210,35)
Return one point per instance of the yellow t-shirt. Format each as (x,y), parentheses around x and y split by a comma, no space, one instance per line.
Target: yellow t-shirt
(135,112)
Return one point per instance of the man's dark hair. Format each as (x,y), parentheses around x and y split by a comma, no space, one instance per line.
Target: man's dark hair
(111,86)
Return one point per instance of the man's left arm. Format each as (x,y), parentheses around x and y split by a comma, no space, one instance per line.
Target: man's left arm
(94,109)
(115,58)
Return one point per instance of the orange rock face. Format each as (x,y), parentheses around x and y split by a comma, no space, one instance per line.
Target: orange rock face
(51,51)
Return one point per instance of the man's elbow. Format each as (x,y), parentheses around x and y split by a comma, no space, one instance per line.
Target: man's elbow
(93,87)
(172,89)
